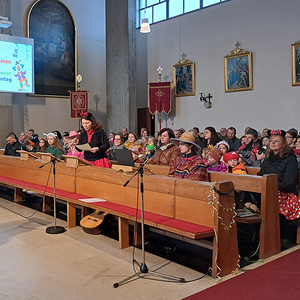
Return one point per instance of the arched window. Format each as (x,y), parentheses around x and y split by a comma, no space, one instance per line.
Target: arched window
(52,27)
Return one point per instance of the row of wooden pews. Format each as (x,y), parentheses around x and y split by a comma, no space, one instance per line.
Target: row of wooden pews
(190,209)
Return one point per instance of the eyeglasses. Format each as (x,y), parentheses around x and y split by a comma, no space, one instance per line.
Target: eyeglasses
(288,137)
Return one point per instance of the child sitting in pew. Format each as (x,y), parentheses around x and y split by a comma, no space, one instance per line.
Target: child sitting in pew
(236,167)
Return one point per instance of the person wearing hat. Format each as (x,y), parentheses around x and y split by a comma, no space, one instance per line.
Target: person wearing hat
(281,160)
(55,147)
(73,139)
(190,164)
(214,161)
(233,164)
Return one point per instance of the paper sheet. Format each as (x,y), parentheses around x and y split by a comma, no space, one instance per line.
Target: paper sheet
(91,200)
(84,147)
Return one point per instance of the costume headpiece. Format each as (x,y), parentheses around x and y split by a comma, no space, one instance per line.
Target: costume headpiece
(187,137)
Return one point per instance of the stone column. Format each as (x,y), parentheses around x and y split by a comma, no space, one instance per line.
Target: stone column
(121,65)
(6,99)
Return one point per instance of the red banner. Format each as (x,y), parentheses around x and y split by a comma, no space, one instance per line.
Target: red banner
(160,97)
(79,103)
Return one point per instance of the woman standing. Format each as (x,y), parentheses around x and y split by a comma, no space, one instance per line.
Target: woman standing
(92,133)
(167,152)
(281,160)
(189,165)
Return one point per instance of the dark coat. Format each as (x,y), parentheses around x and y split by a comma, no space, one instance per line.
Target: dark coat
(286,169)
(99,139)
(11,149)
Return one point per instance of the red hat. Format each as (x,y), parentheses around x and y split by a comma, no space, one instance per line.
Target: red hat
(215,154)
(230,155)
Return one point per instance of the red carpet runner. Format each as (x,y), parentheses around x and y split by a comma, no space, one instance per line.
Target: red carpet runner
(279,279)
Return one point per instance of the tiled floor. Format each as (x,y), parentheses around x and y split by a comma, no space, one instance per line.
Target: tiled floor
(75,265)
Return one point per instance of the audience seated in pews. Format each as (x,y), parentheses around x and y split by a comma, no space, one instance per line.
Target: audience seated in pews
(290,137)
(125,134)
(190,164)
(167,152)
(29,147)
(12,145)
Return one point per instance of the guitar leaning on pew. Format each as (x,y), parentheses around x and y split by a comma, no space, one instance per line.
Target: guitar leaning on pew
(95,222)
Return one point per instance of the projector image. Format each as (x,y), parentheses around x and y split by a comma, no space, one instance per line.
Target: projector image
(4,23)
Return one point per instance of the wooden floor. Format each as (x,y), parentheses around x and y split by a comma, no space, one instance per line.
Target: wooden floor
(75,265)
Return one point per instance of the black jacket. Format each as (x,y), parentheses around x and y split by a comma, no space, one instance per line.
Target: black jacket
(286,169)
(99,139)
(11,149)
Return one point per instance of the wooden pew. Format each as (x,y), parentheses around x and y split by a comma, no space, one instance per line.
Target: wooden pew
(267,186)
(178,206)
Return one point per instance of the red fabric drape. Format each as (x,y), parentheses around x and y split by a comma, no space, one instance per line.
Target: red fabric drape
(79,103)
(160,97)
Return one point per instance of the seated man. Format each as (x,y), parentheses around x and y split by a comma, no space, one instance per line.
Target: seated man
(233,142)
(12,145)
(248,150)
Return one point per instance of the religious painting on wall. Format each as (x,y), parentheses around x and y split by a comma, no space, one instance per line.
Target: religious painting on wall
(296,63)
(238,70)
(52,27)
(184,78)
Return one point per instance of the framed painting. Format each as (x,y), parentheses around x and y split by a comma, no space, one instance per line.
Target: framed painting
(296,63)
(238,71)
(184,78)
(52,27)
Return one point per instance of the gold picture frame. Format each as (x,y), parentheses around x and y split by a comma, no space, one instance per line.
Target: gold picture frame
(238,71)
(184,78)
(296,63)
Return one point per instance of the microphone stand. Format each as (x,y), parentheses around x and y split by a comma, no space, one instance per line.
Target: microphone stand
(53,229)
(143,266)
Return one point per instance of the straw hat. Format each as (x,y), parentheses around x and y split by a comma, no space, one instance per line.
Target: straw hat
(187,137)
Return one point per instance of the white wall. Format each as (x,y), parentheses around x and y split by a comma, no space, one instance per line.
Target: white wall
(267,28)
(46,114)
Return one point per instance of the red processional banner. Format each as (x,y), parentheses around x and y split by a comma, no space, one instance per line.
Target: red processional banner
(160,97)
(79,103)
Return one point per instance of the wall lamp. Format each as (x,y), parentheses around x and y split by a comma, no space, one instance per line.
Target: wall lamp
(206,99)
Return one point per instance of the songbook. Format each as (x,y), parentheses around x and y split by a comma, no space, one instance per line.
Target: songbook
(84,147)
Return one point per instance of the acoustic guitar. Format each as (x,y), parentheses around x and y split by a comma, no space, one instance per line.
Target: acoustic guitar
(95,222)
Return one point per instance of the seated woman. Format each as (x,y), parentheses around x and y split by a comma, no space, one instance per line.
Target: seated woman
(133,140)
(210,137)
(55,147)
(167,152)
(190,164)
(281,160)
(73,139)
(93,134)
(118,144)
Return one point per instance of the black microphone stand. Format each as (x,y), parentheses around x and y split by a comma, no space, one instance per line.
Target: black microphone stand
(143,267)
(53,229)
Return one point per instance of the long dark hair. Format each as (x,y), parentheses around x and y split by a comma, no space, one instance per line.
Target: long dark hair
(214,137)
(96,126)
